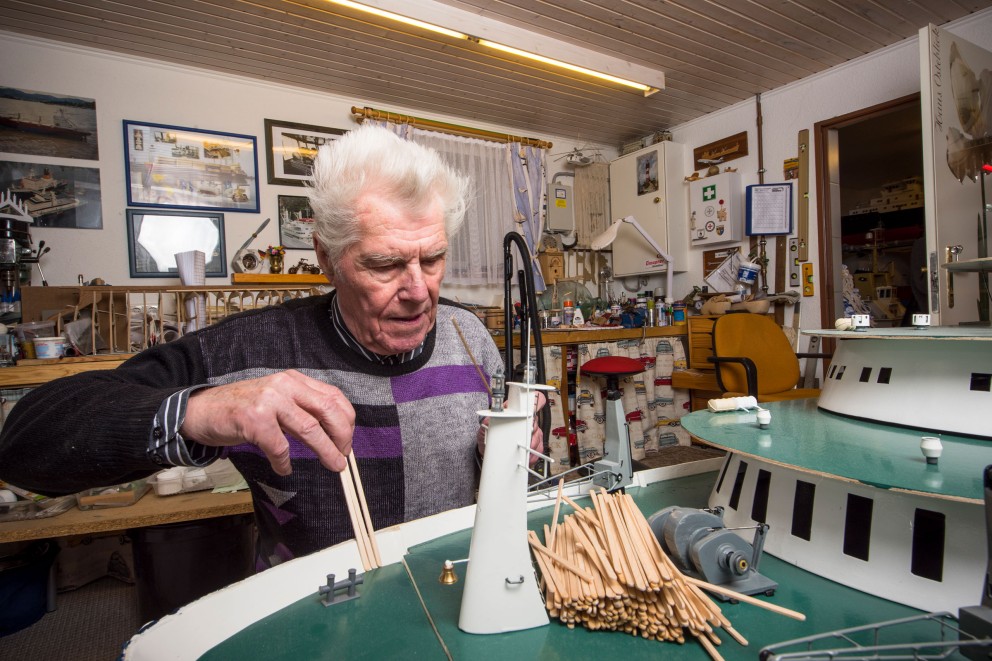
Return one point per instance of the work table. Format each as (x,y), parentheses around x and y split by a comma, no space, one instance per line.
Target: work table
(151,510)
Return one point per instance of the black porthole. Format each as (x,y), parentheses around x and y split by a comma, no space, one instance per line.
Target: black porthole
(884,374)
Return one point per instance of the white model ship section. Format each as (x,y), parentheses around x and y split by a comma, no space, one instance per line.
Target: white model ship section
(925,552)
(936,383)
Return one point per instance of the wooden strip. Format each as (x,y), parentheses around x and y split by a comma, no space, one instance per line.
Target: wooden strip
(802,192)
(356,526)
(580,511)
(369,528)
(537,545)
(550,537)
(745,598)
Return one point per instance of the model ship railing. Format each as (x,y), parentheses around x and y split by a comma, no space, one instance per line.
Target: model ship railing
(107,319)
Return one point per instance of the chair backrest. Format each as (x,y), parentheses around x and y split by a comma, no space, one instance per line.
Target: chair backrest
(758,337)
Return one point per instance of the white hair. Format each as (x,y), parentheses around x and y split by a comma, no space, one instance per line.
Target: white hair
(371,159)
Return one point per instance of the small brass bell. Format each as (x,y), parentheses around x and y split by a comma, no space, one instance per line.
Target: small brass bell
(448,575)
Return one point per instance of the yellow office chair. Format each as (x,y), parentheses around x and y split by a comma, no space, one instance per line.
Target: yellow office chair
(754,357)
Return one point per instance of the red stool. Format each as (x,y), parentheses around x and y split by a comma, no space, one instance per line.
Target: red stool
(616,469)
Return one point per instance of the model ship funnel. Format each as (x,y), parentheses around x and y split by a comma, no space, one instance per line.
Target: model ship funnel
(501,592)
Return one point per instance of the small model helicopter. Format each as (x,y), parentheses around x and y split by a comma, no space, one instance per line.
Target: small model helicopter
(578,156)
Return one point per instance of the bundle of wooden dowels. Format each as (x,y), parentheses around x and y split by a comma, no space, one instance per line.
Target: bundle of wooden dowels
(603,568)
(358,512)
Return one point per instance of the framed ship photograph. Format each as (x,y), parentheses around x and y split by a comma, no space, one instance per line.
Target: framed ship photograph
(290,149)
(55,195)
(295,222)
(155,236)
(47,124)
(182,168)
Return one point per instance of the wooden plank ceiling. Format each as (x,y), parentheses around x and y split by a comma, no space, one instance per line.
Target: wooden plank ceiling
(714,53)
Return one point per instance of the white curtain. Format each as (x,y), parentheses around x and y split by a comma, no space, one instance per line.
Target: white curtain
(476,250)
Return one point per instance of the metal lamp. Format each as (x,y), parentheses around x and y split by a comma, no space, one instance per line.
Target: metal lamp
(610,235)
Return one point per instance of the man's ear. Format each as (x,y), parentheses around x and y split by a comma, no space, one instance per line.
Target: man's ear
(323,260)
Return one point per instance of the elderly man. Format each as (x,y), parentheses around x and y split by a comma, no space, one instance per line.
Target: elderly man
(376,368)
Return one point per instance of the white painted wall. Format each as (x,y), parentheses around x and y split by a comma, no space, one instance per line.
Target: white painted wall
(147,91)
(881,76)
(143,90)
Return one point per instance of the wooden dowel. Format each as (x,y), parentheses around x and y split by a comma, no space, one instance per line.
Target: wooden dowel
(360,491)
(745,598)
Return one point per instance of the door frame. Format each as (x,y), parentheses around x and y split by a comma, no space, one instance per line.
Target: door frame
(826,161)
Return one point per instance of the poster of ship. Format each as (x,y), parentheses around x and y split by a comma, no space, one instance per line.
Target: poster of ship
(55,195)
(186,168)
(47,124)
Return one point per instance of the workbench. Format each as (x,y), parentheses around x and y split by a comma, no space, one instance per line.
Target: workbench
(151,510)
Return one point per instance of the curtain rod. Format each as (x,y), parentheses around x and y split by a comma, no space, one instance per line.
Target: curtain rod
(443,127)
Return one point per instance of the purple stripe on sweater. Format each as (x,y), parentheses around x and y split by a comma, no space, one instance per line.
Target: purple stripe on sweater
(436,381)
(377,443)
(368,443)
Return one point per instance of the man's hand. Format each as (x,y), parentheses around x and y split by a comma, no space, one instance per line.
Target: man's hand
(264,411)
(536,438)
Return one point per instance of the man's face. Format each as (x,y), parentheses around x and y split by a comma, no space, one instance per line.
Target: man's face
(388,283)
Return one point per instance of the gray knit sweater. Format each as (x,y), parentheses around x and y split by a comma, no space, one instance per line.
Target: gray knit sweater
(415,425)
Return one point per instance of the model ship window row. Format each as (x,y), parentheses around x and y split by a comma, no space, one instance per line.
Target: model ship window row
(979,381)
(926,560)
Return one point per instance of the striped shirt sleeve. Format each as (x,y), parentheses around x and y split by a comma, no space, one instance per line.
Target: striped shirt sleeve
(166,446)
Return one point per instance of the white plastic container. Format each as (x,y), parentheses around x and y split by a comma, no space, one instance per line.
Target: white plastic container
(49,347)
(181,479)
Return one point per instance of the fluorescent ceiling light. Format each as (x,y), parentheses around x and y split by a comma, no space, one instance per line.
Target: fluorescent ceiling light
(647,89)
(510,39)
(397,17)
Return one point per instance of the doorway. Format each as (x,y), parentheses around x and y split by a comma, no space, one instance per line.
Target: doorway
(871,215)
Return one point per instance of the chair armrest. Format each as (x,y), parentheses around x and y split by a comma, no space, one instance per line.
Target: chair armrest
(814,355)
(750,371)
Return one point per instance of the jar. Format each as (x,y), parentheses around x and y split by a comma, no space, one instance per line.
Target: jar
(678,314)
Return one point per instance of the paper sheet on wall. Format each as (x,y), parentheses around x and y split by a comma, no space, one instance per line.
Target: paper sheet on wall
(724,277)
(769,209)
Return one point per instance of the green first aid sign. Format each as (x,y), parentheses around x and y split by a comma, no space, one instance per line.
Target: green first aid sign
(709,193)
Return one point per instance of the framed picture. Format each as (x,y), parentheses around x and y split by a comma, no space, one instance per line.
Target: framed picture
(290,149)
(295,222)
(181,168)
(155,236)
(47,124)
(769,209)
(55,195)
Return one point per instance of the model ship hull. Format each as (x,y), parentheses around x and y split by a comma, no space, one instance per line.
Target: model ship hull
(914,549)
(842,481)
